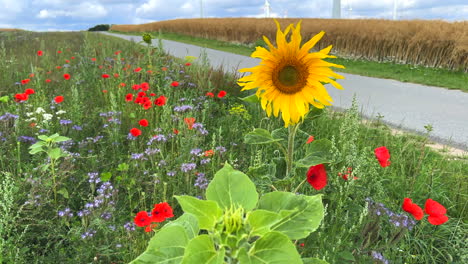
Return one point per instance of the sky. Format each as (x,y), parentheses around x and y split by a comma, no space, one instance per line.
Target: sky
(65,15)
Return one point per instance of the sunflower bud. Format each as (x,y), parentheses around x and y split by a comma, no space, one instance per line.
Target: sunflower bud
(147,38)
(233,219)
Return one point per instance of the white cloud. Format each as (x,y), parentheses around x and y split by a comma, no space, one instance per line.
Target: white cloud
(9,8)
(83,11)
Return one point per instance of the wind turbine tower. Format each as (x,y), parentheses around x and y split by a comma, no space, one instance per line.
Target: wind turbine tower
(395,9)
(267,8)
(336,12)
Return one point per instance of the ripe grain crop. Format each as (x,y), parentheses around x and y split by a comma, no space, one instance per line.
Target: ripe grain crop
(431,43)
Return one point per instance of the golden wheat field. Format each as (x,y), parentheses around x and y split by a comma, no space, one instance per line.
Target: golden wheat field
(10,29)
(431,43)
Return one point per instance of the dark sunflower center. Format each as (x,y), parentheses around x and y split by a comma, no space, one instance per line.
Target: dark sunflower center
(288,76)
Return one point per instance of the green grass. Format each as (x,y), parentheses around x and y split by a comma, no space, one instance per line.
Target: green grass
(387,70)
(32,231)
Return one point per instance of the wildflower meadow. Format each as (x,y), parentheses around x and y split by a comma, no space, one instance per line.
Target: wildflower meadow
(114,152)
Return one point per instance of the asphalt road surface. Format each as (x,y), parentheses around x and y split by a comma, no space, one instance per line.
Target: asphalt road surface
(405,106)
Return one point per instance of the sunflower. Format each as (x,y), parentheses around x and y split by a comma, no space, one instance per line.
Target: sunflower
(289,78)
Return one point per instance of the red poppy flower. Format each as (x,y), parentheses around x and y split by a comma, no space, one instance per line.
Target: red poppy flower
(72,58)
(21,97)
(117,52)
(317,176)
(147,105)
(67,61)
(142,219)
(175,84)
(66,76)
(135,132)
(175,131)
(122,84)
(116,75)
(145,86)
(32,124)
(31,75)
(149,71)
(143,123)
(160,212)
(104,91)
(29,91)
(59,51)
(413,209)
(221,94)
(188,64)
(105,76)
(93,59)
(100,66)
(189,121)
(58,67)
(160,101)
(129,97)
(136,87)
(58,99)
(164,69)
(152,94)
(137,69)
(310,139)
(432,207)
(382,156)
(48,80)
(39,53)
(436,212)
(209,94)
(25,81)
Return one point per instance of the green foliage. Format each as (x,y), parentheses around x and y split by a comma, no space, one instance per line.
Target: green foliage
(100,27)
(240,227)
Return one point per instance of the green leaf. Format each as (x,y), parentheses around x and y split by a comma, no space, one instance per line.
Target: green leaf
(319,148)
(311,160)
(300,214)
(123,167)
(317,152)
(43,137)
(166,246)
(4,99)
(189,222)
(260,221)
(106,176)
(35,149)
(273,247)
(64,193)
(346,255)
(259,136)
(313,261)
(201,250)
(207,212)
(61,139)
(232,187)
(55,153)
(251,99)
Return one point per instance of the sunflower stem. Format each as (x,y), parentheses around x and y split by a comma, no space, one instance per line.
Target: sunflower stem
(289,158)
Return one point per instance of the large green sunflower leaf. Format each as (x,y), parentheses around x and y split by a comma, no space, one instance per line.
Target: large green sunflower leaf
(232,187)
(300,214)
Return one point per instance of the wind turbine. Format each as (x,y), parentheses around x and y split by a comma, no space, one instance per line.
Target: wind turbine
(336,11)
(267,8)
(395,9)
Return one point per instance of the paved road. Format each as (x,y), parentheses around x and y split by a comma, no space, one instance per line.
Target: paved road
(404,105)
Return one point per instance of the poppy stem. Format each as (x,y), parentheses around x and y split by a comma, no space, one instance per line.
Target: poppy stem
(299,186)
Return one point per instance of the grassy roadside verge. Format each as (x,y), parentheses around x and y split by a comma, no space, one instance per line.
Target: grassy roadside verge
(405,73)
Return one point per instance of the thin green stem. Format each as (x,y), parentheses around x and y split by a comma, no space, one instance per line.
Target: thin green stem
(290,156)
